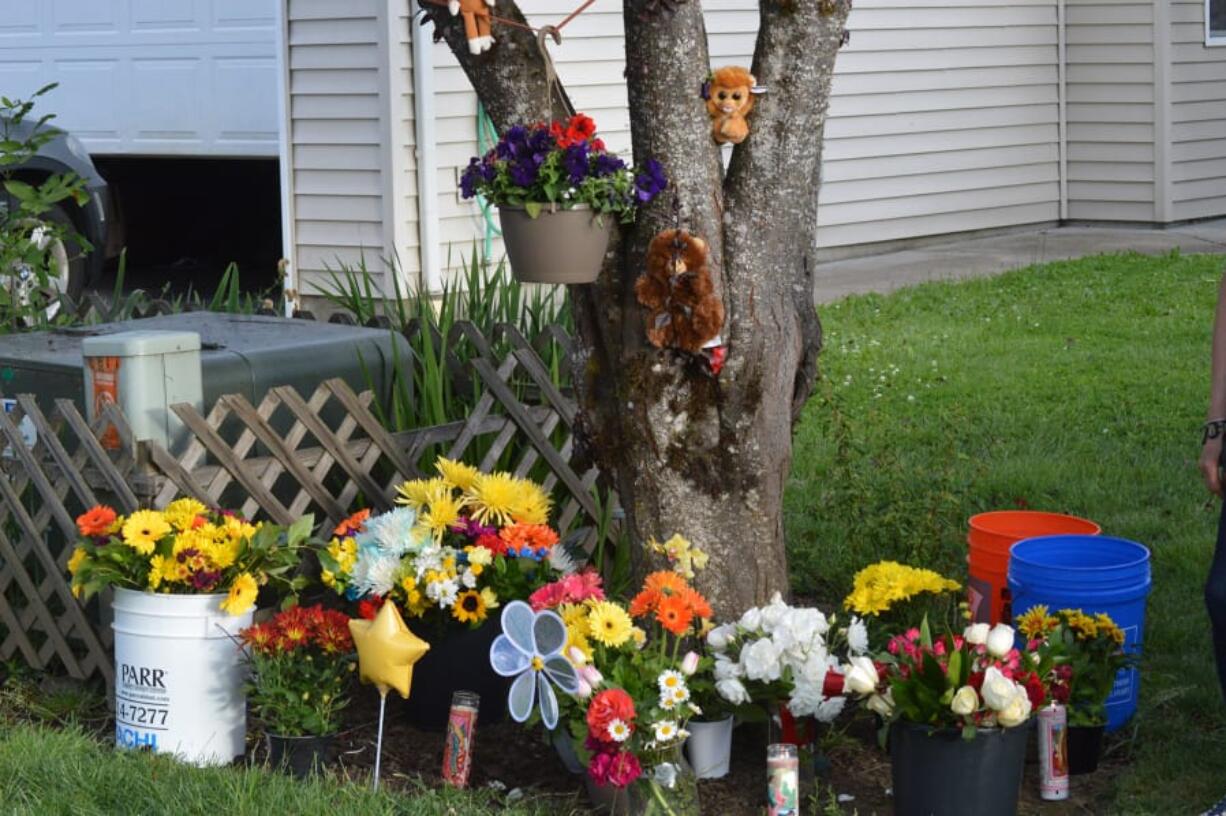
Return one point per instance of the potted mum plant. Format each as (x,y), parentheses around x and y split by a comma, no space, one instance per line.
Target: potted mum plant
(1085,652)
(957,709)
(301,661)
(559,192)
(185,581)
(461,545)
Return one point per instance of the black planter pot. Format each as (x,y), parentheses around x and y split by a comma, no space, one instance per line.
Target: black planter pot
(1085,743)
(299,756)
(937,773)
(459,659)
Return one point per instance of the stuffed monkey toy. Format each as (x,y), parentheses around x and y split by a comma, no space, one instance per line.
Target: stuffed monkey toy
(729,101)
(682,309)
(476,22)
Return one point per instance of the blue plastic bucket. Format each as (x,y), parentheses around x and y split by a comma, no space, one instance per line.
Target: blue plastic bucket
(1093,573)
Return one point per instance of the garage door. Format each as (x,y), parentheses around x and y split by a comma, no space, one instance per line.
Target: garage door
(149,77)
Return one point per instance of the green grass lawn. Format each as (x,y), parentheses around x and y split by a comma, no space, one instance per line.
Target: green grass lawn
(1077,387)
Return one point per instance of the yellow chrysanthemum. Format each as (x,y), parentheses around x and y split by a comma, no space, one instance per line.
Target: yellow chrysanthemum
(239,530)
(223,554)
(417,492)
(157,566)
(479,556)
(242,595)
(493,497)
(1035,623)
(456,474)
(182,513)
(877,587)
(610,624)
(442,511)
(345,553)
(76,560)
(574,615)
(533,506)
(143,529)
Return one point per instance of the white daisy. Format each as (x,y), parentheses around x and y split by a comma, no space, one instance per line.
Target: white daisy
(669,680)
(619,731)
(680,695)
(666,731)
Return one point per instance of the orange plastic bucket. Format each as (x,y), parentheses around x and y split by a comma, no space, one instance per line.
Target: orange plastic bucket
(991,535)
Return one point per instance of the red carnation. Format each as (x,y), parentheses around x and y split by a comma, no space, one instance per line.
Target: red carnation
(607,706)
(369,607)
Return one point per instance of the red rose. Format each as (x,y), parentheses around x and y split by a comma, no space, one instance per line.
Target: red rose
(607,706)
(369,607)
(1034,690)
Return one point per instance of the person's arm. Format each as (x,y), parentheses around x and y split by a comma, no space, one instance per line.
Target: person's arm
(1212,451)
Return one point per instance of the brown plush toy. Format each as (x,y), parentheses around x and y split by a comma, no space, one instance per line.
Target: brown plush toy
(476,22)
(729,101)
(682,309)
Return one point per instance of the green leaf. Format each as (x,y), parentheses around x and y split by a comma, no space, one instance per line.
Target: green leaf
(20,190)
(925,633)
(300,530)
(968,732)
(534,208)
(955,670)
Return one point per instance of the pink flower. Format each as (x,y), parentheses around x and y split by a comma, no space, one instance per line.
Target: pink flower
(913,635)
(614,768)
(575,588)
(547,597)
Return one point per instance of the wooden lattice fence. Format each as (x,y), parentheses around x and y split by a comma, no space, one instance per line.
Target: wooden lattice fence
(325,453)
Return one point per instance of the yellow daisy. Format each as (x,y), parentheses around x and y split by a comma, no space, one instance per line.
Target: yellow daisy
(456,474)
(242,595)
(1034,623)
(143,529)
(182,513)
(610,624)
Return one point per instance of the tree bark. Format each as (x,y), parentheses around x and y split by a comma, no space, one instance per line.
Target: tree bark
(690,452)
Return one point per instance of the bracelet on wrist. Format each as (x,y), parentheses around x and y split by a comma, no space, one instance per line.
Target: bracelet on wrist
(1213,429)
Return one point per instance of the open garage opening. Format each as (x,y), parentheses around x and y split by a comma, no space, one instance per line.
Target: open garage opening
(184,220)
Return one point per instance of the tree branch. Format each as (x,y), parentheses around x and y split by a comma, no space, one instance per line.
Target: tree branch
(510,79)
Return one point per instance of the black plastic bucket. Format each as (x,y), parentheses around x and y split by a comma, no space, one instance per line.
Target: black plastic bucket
(299,756)
(937,773)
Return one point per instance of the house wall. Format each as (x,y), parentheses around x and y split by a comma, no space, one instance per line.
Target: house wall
(942,118)
(1197,116)
(1110,109)
(341,136)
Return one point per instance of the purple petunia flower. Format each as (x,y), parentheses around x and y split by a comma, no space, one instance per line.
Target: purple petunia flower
(524,173)
(575,160)
(468,181)
(607,165)
(541,141)
(650,182)
(513,143)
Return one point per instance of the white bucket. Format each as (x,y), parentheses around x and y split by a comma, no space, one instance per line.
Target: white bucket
(179,676)
(710,747)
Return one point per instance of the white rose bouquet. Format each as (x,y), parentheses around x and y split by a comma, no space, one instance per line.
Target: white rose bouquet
(784,655)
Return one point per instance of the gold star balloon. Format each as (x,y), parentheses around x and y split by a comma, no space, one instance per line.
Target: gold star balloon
(387,650)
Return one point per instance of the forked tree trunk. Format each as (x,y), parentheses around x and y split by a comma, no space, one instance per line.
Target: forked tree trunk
(689,452)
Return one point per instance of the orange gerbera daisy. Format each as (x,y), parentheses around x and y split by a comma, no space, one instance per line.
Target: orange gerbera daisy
(665,582)
(674,615)
(644,603)
(696,602)
(353,524)
(96,521)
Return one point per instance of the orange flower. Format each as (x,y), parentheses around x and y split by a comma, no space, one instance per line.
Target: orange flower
(696,603)
(353,524)
(666,582)
(96,521)
(533,536)
(644,603)
(674,614)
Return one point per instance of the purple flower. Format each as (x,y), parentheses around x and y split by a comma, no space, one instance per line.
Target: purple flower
(513,143)
(471,528)
(524,172)
(468,181)
(650,182)
(607,165)
(541,141)
(575,160)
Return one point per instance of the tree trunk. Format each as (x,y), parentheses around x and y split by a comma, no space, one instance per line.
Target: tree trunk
(690,452)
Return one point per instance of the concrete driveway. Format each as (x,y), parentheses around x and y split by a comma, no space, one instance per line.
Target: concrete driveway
(977,257)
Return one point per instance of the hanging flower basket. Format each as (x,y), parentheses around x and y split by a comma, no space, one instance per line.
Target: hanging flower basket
(559,192)
(562,246)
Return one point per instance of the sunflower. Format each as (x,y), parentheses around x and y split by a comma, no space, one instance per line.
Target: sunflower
(674,615)
(469,607)
(96,521)
(143,529)
(182,513)
(242,595)
(456,474)
(609,624)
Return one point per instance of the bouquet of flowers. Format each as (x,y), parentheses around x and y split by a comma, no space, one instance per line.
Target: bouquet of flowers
(561,165)
(1084,653)
(301,662)
(779,654)
(463,542)
(880,587)
(186,549)
(974,680)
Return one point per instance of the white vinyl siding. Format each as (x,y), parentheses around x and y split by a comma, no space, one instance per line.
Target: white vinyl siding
(1110,108)
(1198,116)
(338,127)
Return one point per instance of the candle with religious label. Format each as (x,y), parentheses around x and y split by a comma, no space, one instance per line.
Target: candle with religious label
(461,727)
(1053,752)
(782,780)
